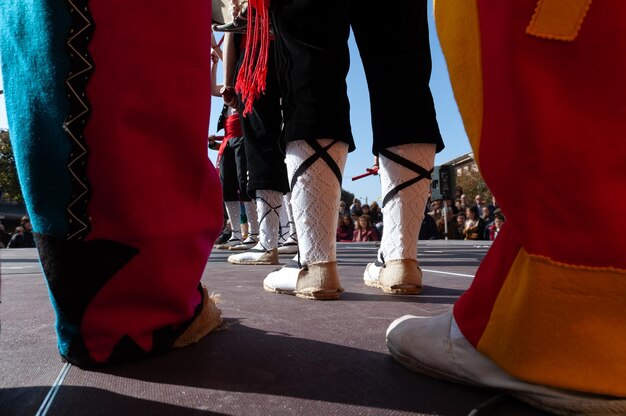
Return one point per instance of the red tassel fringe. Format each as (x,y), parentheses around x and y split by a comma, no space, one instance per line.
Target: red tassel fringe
(251,78)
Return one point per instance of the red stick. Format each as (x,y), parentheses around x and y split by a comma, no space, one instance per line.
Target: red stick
(370,171)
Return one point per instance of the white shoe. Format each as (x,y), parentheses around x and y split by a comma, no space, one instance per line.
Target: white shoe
(372,273)
(255,256)
(435,346)
(233,241)
(246,244)
(401,277)
(283,280)
(318,281)
(288,247)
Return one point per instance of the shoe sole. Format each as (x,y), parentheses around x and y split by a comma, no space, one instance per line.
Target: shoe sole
(319,295)
(423,369)
(289,251)
(277,290)
(241,248)
(394,291)
(253,262)
(567,404)
(304,295)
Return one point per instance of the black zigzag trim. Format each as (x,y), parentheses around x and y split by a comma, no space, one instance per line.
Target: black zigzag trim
(82,66)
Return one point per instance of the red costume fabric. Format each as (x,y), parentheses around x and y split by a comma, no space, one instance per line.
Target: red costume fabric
(135,204)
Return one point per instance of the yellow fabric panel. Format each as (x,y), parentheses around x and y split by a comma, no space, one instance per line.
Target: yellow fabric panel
(558,19)
(459,35)
(550,319)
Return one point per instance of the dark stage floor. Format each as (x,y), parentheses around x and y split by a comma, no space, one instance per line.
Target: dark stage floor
(277,355)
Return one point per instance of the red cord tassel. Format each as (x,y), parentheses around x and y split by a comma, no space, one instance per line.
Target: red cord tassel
(251,78)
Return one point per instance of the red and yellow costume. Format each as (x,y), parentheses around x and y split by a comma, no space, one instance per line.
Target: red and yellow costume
(540,86)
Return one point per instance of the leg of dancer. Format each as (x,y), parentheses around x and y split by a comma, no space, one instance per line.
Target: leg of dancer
(105,155)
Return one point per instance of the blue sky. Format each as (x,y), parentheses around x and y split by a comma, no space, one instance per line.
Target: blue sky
(369,188)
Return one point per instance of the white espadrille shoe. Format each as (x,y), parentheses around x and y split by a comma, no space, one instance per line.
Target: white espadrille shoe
(246,244)
(232,242)
(256,255)
(288,247)
(319,281)
(402,277)
(435,346)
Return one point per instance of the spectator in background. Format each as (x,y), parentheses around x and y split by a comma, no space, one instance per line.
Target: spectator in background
(377,218)
(494,229)
(343,210)
(364,230)
(458,204)
(345,228)
(487,215)
(464,201)
(458,192)
(494,205)
(460,223)
(23,237)
(435,209)
(478,201)
(453,232)
(428,229)
(365,210)
(4,237)
(16,238)
(474,224)
(355,208)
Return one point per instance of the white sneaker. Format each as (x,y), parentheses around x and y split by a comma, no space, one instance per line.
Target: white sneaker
(435,346)
(288,247)
(246,244)
(255,256)
(401,277)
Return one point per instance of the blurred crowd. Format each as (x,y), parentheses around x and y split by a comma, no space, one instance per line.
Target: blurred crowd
(22,236)
(458,219)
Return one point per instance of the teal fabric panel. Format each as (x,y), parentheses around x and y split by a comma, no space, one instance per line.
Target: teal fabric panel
(35,65)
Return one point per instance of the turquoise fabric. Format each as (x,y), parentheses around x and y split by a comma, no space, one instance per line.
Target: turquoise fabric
(34,68)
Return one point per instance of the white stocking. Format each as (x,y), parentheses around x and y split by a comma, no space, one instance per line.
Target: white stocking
(314,198)
(284,223)
(403,214)
(233,210)
(292,225)
(253,218)
(268,204)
